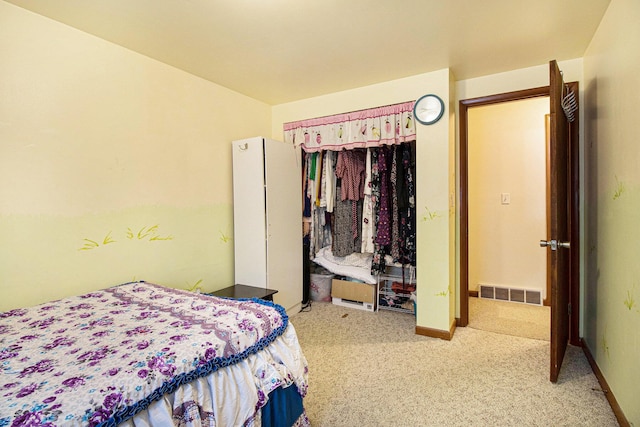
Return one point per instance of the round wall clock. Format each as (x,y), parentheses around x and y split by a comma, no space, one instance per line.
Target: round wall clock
(428,109)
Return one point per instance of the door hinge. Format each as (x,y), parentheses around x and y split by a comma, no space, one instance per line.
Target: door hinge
(569,308)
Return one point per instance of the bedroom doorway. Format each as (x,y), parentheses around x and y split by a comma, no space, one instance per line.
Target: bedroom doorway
(572,165)
(507,211)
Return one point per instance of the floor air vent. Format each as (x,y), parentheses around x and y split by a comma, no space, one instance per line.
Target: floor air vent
(508,294)
(487,292)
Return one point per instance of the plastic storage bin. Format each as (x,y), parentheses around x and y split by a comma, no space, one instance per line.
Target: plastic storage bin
(321,287)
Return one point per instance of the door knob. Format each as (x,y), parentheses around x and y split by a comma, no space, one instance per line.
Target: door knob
(554,244)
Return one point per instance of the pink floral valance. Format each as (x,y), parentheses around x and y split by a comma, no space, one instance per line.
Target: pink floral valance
(388,125)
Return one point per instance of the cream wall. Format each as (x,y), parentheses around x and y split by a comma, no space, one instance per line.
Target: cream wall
(612,91)
(507,155)
(113,166)
(434,172)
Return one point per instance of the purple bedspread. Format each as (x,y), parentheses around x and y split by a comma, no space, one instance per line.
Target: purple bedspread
(99,358)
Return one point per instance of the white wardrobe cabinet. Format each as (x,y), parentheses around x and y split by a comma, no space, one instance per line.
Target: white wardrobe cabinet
(266,218)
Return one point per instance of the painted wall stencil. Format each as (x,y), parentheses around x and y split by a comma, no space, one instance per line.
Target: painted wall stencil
(444,293)
(196,287)
(619,189)
(149,233)
(605,345)
(630,300)
(429,215)
(146,232)
(92,244)
(224,236)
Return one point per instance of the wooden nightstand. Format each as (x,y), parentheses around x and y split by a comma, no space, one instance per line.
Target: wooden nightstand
(244,291)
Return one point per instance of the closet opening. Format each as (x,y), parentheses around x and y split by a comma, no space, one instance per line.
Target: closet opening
(360,249)
(359,213)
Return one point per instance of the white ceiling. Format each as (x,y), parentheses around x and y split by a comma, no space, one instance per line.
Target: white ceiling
(278,51)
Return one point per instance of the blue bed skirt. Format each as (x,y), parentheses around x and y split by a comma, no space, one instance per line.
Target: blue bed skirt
(283,409)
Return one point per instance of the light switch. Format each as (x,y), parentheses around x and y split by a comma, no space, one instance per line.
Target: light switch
(505,198)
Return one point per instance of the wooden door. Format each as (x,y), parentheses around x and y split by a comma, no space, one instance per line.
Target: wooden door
(558,240)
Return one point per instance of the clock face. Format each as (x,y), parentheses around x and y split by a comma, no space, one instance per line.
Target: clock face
(428,109)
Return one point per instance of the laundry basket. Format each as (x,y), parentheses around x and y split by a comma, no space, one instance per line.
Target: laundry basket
(321,287)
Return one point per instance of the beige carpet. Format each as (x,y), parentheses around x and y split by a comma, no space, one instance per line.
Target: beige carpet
(371,369)
(511,318)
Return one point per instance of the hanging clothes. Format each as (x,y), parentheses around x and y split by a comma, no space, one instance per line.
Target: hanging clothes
(343,241)
(395,223)
(380,208)
(374,128)
(310,199)
(372,195)
(368,223)
(314,216)
(350,169)
(317,178)
(406,206)
(306,210)
(383,233)
(306,207)
(330,179)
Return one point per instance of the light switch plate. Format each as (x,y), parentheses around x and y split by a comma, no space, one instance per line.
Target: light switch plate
(505,198)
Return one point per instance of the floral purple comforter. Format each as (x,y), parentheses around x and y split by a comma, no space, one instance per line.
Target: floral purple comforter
(99,358)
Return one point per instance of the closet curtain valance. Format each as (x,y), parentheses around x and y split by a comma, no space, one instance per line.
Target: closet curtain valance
(393,124)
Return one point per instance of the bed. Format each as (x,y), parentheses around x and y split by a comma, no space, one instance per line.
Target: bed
(140,354)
